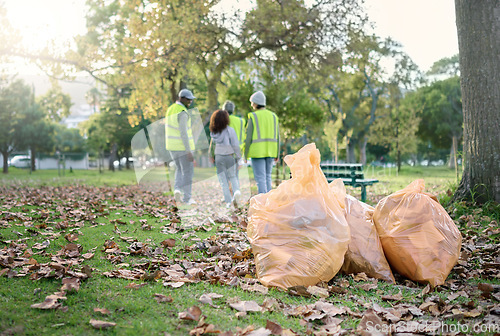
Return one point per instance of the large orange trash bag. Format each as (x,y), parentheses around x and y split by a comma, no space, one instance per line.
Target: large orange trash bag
(298,231)
(365,253)
(420,240)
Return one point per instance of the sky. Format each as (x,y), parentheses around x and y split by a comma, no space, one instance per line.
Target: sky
(425,28)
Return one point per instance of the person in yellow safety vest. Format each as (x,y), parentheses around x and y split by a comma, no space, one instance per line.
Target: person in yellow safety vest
(179,142)
(262,141)
(237,123)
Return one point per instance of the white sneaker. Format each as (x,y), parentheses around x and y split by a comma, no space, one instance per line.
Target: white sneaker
(228,205)
(178,196)
(191,202)
(237,197)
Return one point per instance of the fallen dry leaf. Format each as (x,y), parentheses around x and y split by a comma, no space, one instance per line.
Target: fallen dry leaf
(299,291)
(133,285)
(101,324)
(318,291)
(207,298)
(71,237)
(174,284)
(51,302)
(255,288)
(192,314)
(168,243)
(246,306)
(369,320)
(70,284)
(163,298)
(275,328)
(103,311)
(360,277)
(396,297)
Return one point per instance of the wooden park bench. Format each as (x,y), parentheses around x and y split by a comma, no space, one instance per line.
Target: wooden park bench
(350,173)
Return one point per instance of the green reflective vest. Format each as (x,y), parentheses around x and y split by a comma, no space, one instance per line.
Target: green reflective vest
(265,134)
(238,124)
(173,140)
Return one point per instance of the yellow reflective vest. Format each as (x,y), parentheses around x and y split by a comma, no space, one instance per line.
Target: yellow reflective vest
(238,124)
(173,140)
(265,134)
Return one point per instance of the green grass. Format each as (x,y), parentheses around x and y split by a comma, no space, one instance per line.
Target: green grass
(111,212)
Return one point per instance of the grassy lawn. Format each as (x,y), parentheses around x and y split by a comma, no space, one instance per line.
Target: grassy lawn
(130,256)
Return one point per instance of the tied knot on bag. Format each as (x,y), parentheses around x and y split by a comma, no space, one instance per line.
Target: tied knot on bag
(309,153)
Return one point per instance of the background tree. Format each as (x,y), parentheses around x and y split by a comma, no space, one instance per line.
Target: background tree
(34,131)
(448,66)
(110,130)
(478,26)
(14,101)
(93,98)
(55,103)
(68,140)
(440,110)
(397,128)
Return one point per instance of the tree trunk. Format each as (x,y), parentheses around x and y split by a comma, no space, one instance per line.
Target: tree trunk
(453,153)
(113,157)
(213,95)
(173,91)
(336,153)
(362,151)
(478,26)
(101,161)
(350,148)
(33,158)
(5,156)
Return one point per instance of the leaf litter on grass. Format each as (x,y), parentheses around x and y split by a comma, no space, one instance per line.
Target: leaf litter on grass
(346,305)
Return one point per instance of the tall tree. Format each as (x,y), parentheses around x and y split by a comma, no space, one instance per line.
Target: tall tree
(398,125)
(478,27)
(291,32)
(356,89)
(14,101)
(55,103)
(448,66)
(110,129)
(34,131)
(155,47)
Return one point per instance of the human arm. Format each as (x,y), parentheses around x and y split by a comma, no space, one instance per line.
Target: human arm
(235,144)
(211,151)
(248,139)
(183,119)
(278,143)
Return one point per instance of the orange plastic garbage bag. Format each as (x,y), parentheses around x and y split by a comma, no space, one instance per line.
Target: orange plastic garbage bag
(365,253)
(298,231)
(420,240)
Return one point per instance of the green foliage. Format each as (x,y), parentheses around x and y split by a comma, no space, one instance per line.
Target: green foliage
(111,126)
(35,132)
(397,130)
(68,139)
(14,101)
(439,105)
(446,66)
(55,103)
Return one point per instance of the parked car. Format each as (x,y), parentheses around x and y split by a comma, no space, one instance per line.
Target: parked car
(20,161)
(123,162)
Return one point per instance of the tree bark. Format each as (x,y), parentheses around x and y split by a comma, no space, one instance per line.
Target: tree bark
(362,150)
(5,156)
(350,148)
(478,26)
(33,158)
(453,153)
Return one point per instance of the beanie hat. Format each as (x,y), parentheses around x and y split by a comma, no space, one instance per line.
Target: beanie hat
(228,106)
(258,98)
